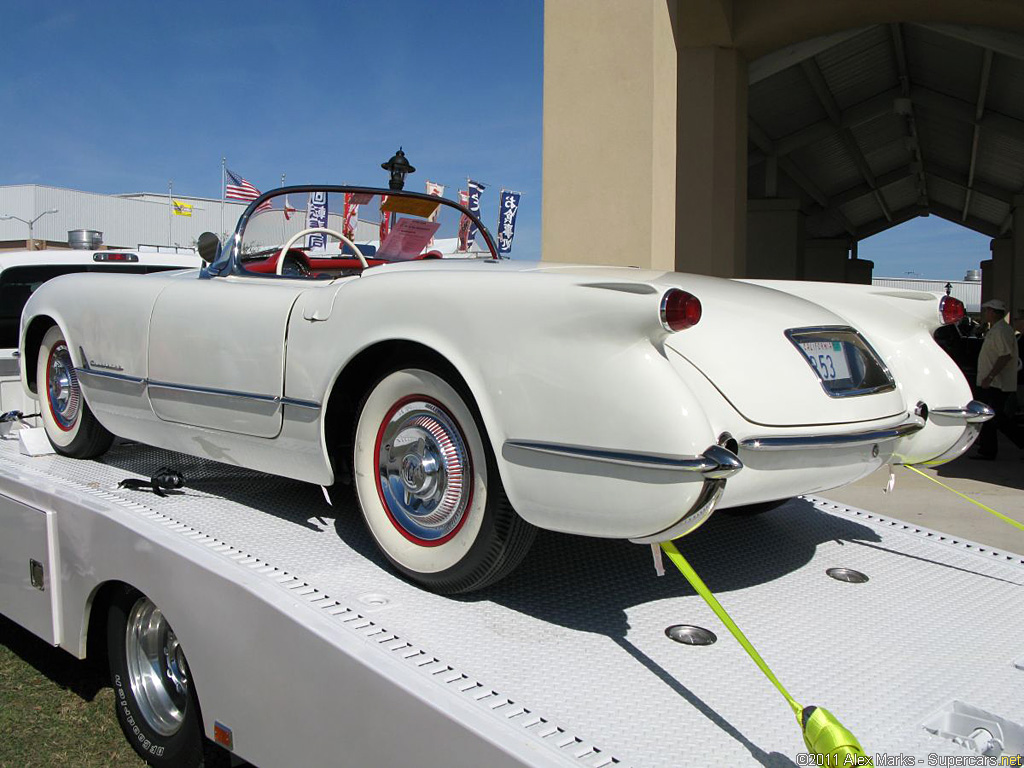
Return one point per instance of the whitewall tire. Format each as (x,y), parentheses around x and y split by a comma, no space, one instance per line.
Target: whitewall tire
(428,485)
(70,425)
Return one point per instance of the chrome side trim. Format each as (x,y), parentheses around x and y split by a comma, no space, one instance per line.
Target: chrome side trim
(716,462)
(232,393)
(108,375)
(973,413)
(811,442)
(196,389)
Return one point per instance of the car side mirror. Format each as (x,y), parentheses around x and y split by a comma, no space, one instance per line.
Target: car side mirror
(208,245)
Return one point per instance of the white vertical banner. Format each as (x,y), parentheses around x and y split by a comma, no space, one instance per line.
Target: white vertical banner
(316,216)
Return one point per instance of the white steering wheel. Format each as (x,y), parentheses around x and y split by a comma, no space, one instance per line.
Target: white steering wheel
(315,230)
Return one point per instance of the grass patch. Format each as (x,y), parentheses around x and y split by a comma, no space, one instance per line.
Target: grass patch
(54,709)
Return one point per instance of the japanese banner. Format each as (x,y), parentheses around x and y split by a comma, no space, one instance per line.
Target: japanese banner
(348,225)
(508,207)
(475,190)
(316,216)
(463,223)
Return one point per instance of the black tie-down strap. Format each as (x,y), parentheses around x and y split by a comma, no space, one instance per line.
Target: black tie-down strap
(10,416)
(165,477)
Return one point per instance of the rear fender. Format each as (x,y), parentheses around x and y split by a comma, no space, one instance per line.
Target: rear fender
(899,324)
(590,372)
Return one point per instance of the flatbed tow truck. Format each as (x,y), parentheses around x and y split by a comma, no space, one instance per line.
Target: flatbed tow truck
(306,650)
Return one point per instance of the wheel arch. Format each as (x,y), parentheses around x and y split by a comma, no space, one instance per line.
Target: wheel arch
(365,369)
(93,642)
(34,332)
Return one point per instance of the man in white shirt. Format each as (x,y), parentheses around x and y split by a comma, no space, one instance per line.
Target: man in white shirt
(997,379)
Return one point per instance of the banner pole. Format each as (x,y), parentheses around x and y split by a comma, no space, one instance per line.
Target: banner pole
(170,211)
(223,179)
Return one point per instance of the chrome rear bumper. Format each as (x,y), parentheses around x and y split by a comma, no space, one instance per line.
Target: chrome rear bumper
(841,440)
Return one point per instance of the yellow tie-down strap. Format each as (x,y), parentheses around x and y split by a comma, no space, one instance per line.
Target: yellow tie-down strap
(823,734)
(977,503)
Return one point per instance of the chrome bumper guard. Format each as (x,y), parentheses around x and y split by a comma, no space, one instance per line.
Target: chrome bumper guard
(697,515)
(972,413)
(716,463)
(846,440)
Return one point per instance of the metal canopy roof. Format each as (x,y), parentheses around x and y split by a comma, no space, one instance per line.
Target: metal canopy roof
(875,126)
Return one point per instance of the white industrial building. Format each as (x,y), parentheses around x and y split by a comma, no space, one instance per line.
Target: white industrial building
(145,218)
(126,221)
(967,290)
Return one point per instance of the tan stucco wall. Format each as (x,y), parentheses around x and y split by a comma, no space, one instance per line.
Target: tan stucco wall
(609,133)
(638,91)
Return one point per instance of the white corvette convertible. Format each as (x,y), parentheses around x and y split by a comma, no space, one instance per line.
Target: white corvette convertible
(471,400)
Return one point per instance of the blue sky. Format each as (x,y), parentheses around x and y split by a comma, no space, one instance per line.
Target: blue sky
(118,97)
(927,247)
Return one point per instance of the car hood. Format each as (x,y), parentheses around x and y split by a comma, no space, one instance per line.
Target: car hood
(740,346)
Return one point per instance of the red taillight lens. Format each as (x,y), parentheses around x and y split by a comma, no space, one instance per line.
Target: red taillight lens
(952,310)
(679,310)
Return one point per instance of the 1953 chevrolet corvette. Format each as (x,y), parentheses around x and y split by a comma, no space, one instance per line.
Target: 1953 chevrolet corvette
(472,400)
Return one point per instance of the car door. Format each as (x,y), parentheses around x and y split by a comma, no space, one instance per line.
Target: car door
(217,352)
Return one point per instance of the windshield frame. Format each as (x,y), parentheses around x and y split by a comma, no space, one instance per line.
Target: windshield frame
(229,259)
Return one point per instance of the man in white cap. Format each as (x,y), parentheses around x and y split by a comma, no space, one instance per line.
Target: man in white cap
(997,379)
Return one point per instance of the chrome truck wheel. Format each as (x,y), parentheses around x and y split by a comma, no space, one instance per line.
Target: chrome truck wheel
(153,692)
(157,670)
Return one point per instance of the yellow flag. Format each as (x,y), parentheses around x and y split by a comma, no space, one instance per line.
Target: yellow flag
(182,209)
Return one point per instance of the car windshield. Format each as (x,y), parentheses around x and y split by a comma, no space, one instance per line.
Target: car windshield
(313,232)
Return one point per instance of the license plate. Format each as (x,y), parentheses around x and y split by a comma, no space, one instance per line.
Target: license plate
(828,358)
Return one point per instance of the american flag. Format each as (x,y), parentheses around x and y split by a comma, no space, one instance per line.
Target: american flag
(237,188)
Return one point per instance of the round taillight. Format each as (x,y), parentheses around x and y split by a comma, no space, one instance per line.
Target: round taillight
(679,310)
(952,310)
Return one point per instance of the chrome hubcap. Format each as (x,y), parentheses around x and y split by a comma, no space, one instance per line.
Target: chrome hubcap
(62,387)
(157,670)
(423,469)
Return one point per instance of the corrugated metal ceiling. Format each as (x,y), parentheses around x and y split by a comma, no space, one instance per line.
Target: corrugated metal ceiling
(937,102)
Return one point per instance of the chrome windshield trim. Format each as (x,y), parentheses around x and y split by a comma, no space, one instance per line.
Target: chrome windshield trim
(229,259)
(973,413)
(790,332)
(849,439)
(716,462)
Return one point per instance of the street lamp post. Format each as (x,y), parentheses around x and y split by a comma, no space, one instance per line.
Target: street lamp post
(398,167)
(31,224)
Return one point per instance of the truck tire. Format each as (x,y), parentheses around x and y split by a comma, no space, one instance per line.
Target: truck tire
(154,698)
